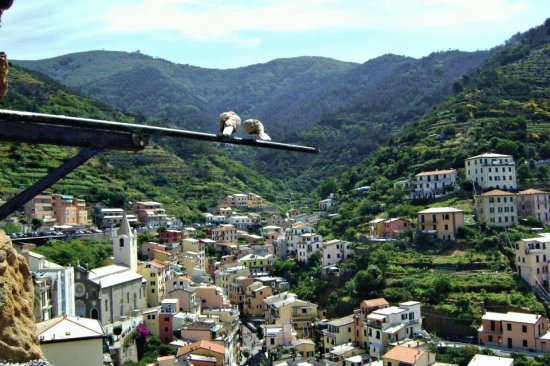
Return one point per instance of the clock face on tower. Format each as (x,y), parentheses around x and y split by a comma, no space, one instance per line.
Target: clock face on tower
(79,290)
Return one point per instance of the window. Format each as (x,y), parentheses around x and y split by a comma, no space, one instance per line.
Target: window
(524,328)
(121,242)
(490,338)
(525,343)
(271,340)
(509,326)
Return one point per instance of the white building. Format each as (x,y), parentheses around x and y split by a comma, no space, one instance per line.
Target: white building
(533,260)
(240,222)
(334,251)
(492,171)
(61,283)
(310,243)
(485,360)
(392,324)
(111,217)
(434,184)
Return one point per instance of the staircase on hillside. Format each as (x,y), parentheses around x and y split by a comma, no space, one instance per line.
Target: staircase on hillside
(542,293)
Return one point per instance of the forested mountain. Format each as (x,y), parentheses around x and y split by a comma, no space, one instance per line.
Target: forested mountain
(346,109)
(502,107)
(189,176)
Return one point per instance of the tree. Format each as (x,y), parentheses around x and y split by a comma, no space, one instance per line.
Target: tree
(36,223)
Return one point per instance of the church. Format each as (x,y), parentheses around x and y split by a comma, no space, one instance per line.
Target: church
(115,292)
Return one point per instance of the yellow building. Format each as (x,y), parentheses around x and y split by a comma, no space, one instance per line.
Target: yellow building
(41,208)
(377,227)
(442,222)
(154,272)
(496,208)
(305,348)
(286,307)
(151,320)
(339,331)
(255,263)
(64,337)
(254,201)
(225,233)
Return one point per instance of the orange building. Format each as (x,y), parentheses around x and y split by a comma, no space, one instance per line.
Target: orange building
(442,222)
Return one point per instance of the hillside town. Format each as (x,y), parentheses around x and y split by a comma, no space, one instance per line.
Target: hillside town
(208,291)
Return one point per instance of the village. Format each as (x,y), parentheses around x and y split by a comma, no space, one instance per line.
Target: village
(208,290)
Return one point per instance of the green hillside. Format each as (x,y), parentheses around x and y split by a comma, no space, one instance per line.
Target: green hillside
(502,107)
(346,109)
(189,176)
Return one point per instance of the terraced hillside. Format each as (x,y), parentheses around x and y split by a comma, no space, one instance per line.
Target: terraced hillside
(190,176)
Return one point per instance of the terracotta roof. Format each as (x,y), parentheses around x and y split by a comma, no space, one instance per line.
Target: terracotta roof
(404,354)
(497,192)
(202,344)
(159,263)
(374,302)
(533,191)
(436,172)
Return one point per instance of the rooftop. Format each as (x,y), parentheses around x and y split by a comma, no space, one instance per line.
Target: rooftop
(374,302)
(203,344)
(113,275)
(341,321)
(512,317)
(436,172)
(532,191)
(404,354)
(484,360)
(497,192)
(434,210)
(65,328)
(490,156)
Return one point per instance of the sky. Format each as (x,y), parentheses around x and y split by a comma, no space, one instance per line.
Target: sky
(229,34)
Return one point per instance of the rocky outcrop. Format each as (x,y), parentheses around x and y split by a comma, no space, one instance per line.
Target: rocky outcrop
(18,341)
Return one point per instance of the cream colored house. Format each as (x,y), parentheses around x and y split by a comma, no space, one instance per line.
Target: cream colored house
(443,222)
(155,273)
(64,336)
(225,233)
(278,335)
(339,331)
(497,208)
(536,203)
(195,246)
(492,171)
(533,260)
(286,307)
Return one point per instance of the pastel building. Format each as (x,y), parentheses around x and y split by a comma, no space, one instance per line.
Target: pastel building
(225,233)
(62,338)
(150,213)
(41,208)
(111,217)
(533,260)
(334,251)
(409,356)
(339,331)
(434,184)
(497,208)
(309,244)
(442,222)
(392,324)
(254,296)
(526,332)
(286,307)
(155,273)
(536,203)
(492,171)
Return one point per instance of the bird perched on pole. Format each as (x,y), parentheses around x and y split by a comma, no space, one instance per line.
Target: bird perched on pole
(229,122)
(255,129)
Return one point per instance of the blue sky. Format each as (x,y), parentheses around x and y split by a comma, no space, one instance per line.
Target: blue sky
(228,34)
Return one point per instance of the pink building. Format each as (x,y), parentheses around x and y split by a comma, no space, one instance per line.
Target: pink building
(170,236)
(150,213)
(211,297)
(394,226)
(535,203)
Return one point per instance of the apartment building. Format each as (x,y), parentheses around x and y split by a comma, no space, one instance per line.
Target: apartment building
(434,184)
(254,297)
(536,203)
(309,244)
(492,171)
(339,331)
(410,356)
(41,208)
(195,246)
(442,222)
(155,273)
(519,331)
(112,217)
(286,307)
(496,208)
(533,260)
(225,233)
(150,213)
(334,251)
(392,324)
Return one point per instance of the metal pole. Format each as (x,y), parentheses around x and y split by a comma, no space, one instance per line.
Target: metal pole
(53,177)
(54,120)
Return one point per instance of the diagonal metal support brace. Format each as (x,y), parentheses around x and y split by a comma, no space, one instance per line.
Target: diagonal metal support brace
(53,177)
